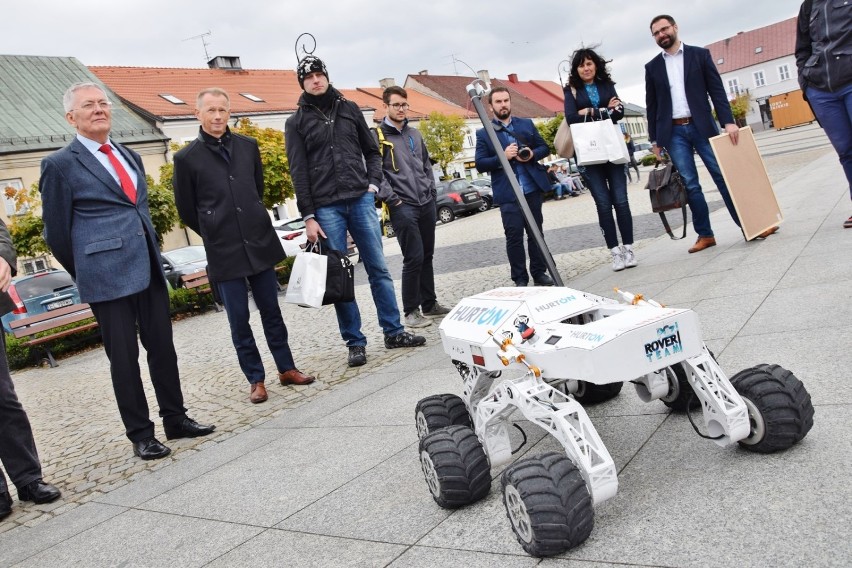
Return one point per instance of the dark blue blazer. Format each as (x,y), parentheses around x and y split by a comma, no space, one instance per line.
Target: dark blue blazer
(106,242)
(701,79)
(487,160)
(574,103)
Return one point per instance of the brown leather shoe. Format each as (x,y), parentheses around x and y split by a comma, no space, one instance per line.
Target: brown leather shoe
(766,233)
(703,243)
(258,393)
(295,377)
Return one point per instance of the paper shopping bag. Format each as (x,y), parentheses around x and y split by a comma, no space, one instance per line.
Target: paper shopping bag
(591,140)
(616,148)
(307,280)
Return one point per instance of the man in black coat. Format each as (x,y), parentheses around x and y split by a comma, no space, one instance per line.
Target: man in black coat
(218,184)
(17,446)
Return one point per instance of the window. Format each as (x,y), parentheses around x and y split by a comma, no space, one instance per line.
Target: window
(31,266)
(253,98)
(758,49)
(734,86)
(759,79)
(720,61)
(172,99)
(470,143)
(783,72)
(10,188)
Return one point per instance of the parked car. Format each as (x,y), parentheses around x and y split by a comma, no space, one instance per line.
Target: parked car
(39,293)
(183,260)
(642,149)
(455,198)
(483,186)
(292,234)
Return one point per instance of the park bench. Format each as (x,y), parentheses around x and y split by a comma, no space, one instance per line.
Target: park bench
(49,321)
(200,284)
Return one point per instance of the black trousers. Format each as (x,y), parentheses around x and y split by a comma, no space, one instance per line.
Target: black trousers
(17,446)
(414,226)
(118,320)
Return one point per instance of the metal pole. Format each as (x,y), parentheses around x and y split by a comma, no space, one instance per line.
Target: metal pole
(476,98)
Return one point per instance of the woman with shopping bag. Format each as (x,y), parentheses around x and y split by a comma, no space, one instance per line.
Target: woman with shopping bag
(597,104)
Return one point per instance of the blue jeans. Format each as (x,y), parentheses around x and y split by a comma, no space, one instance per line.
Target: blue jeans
(358,216)
(264,288)
(414,226)
(609,189)
(685,138)
(514,226)
(834,112)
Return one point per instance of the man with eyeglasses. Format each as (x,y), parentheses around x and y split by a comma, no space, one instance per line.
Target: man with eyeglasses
(98,226)
(336,170)
(408,189)
(678,83)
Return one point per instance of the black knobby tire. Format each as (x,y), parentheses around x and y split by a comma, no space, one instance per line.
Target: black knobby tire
(548,504)
(455,466)
(680,395)
(446,215)
(439,411)
(590,393)
(780,409)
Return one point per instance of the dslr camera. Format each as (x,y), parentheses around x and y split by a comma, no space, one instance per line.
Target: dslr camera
(525,154)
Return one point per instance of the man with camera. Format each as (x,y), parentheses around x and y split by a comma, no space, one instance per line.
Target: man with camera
(523,146)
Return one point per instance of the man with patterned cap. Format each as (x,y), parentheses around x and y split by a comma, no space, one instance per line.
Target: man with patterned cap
(336,170)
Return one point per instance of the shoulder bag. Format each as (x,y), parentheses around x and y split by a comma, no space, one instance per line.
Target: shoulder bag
(667,192)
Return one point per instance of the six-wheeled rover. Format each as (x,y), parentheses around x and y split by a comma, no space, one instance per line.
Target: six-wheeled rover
(543,353)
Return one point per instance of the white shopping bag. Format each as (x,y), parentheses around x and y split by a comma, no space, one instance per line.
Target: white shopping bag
(616,149)
(591,140)
(307,280)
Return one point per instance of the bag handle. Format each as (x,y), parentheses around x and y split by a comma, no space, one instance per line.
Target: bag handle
(669,229)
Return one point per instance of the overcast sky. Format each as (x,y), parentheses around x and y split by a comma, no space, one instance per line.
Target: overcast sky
(362,42)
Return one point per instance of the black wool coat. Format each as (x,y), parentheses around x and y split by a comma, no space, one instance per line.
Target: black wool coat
(222,200)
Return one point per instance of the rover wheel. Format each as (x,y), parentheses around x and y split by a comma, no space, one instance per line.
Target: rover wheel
(680,393)
(590,393)
(439,411)
(779,407)
(455,466)
(445,215)
(548,504)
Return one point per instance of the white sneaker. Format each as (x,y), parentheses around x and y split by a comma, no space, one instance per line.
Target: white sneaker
(629,256)
(617,259)
(416,319)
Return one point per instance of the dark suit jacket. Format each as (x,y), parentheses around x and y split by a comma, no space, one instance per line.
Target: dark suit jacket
(575,103)
(223,202)
(7,251)
(487,160)
(106,242)
(701,79)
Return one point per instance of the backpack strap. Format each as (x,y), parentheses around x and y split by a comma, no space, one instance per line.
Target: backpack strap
(385,143)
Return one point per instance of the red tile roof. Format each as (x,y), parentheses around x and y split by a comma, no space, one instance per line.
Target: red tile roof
(776,41)
(453,89)
(421,105)
(546,93)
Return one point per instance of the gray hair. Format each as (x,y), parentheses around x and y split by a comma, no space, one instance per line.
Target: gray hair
(215,91)
(68,97)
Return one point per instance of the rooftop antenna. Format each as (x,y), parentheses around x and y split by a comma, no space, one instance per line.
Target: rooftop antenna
(204,43)
(456,59)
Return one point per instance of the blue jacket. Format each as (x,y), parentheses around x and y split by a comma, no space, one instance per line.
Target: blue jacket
(487,160)
(581,100)
(701,79)
(106,242)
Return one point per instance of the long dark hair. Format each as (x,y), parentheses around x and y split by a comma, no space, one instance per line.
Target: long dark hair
(601,71)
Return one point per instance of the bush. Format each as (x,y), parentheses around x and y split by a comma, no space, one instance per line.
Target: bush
(19,355)
(283,270)
(649,160)
(185,300)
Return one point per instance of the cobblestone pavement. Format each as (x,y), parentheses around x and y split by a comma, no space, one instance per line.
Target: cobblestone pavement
(72,409)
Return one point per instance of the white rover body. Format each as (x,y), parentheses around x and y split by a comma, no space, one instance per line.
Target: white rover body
(543,352)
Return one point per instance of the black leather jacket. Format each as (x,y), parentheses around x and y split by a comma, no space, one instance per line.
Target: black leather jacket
(824,44)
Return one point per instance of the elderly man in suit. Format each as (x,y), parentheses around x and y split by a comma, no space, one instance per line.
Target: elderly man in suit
(678,82)
(523,147)
(97,223)
(17,446)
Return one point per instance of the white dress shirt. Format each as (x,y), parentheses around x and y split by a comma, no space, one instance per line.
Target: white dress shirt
(674,69)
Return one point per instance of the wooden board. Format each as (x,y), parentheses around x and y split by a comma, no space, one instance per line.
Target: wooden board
(748,182)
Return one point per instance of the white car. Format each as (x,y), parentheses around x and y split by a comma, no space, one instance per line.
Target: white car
(642,149)
(292,234)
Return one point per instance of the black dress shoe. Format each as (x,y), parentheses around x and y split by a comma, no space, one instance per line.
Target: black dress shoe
(5,505)
(187,428)
(150,449)
(39,492)
(543,280)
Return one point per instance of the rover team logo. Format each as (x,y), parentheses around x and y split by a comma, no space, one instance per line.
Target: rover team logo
(667,343)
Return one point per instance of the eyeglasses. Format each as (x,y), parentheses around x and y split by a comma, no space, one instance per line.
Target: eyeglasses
(663,30)
(89,106)
(398,106)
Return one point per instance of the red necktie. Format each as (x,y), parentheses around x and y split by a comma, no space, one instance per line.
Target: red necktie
(123,176)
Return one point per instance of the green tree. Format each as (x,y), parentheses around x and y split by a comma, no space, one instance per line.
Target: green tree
(276,169)
(27,229)
(548,130)
(161,202)
(444,138)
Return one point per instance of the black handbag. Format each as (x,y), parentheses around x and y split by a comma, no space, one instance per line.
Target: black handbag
(340,276)
(668,192)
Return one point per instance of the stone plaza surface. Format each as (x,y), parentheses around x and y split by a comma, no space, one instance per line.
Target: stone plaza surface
(328,474)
